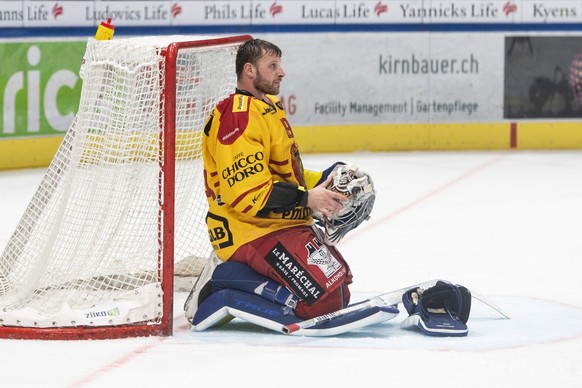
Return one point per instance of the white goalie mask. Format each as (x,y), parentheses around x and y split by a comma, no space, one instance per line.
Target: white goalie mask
(357,186)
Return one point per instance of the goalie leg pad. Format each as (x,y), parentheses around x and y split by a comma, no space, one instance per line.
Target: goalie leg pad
(212,312)
(442,310)
(226,304)
(222,306)
(202,287)
(241,277)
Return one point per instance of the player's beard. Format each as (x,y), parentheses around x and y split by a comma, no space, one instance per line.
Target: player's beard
(264,86)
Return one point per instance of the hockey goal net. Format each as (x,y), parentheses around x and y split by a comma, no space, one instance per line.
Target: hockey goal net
(121,209)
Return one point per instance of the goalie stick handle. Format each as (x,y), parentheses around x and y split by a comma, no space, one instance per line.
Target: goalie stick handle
(292,328)
(387,299)
(489,303)
(486,301)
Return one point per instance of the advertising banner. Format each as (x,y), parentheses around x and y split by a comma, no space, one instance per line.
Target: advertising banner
(42,13)
(345,78)
(39,87)
(55,14)
(11,14)
(413,90)
(392,78)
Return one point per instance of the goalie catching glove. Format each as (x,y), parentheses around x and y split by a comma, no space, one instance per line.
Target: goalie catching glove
(442,310)
(358,188)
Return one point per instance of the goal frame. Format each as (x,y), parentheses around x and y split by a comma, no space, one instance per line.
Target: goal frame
(166,216)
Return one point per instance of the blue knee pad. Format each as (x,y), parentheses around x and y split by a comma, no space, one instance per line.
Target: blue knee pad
(241,277)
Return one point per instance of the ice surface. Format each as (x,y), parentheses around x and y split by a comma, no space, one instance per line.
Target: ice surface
(507,225)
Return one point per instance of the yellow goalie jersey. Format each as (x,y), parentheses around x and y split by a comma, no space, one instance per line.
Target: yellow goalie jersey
(255,181)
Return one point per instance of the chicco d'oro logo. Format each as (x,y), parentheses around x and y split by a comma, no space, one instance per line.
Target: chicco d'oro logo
(243,167)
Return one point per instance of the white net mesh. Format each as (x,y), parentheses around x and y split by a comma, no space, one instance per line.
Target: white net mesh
(86,251)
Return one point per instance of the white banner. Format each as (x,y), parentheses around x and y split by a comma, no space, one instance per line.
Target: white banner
(40,13)
(555,11)
(11,14)
(361,78)
(57,14)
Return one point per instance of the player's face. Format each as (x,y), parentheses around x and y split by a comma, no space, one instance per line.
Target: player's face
(269,74)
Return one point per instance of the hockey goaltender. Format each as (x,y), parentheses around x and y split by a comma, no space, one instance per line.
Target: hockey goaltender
(273,224)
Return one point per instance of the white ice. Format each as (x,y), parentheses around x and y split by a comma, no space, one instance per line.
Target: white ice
(507,225)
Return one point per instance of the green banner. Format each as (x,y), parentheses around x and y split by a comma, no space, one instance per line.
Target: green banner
(40,87)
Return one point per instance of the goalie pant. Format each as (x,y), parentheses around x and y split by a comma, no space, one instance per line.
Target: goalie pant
(297,258)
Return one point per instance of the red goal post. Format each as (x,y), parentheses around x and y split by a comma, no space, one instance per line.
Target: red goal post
(119,215)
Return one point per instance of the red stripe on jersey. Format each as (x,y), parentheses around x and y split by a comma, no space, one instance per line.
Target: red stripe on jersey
(287,175)
(279,163)
(209,193)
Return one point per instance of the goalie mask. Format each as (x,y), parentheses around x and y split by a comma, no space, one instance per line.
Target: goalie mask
(358,188)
